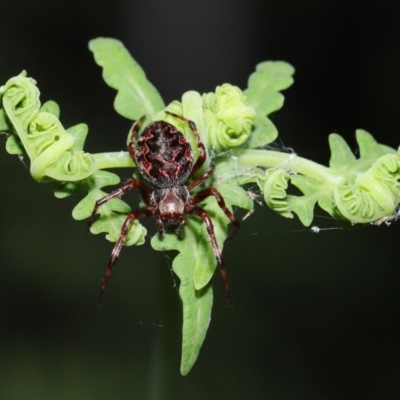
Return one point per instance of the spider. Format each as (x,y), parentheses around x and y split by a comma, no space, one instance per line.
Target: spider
(165,159)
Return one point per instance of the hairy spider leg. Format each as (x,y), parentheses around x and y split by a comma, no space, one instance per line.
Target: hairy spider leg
(200,196)
(145,192)
(213,192)
(118,245)
(135,129)
(160,226)
(202,178)
(181,226)
(202,150)
(217,252)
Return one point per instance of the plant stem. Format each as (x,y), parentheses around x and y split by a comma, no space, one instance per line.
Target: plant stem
(291,162)
(256,158)
(117,159)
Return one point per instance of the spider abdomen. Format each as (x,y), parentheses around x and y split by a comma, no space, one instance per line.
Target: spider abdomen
(163,155)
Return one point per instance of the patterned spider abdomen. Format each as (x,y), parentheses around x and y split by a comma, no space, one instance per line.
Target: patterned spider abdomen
(163,155)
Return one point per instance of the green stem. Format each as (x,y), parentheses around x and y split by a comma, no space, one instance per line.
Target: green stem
(256,158)
(291,162)
(117,159)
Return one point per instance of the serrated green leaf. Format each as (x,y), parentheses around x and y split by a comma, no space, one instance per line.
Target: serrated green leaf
(234,194)
(192,109)
(264,132)
(344,162)
(265,84)
(303,207)
(79,133)
(98,180)
(136,95)
(14,145)
(51,107)
(84,209)
(369,147)
(195,266)
(274,186)
(197,309)
(197,303)
(197,244)
(341,155)
(111,214)
(112,225)
(314,191)
(4,124)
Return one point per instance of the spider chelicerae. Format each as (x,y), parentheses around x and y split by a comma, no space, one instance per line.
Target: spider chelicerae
(165,159)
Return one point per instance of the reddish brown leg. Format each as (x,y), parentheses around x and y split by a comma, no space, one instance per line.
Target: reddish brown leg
(217,252)
(200,196)
(198,181)
(200,145)
(160,226)
(132,140)
(181,226)
(134,183)
(117,248)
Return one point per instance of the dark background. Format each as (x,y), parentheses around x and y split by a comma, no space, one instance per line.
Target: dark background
(315,316)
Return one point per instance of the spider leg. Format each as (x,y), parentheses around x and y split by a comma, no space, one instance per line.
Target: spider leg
(202,150)
(134,183)
(135,129)
(200,196)
(181,226)
(160,226)
(202,178)
(217,252)
(118,245)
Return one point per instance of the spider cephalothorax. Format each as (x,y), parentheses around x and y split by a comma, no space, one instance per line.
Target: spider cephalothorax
(165,159)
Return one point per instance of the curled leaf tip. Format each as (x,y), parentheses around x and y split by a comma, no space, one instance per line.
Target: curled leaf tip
(40,134)
(228,117)
(273,187)
(371,195)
